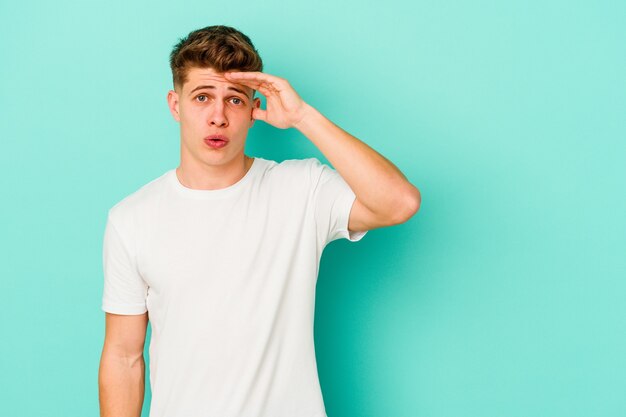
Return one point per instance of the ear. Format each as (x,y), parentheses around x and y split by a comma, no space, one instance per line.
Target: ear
(256,104)
(172,102)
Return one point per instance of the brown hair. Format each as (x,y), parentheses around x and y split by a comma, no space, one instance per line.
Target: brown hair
(221,48)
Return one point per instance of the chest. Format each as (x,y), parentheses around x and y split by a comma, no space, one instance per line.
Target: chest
(212,244)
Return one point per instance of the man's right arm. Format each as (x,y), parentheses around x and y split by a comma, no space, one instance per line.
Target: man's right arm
(121,377)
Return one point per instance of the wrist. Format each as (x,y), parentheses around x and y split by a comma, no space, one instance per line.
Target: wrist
(308,112)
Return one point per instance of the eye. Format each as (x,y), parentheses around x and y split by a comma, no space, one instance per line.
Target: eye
(237,101)
(199,96)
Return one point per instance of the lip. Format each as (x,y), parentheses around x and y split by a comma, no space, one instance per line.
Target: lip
(212,143)
(221,137)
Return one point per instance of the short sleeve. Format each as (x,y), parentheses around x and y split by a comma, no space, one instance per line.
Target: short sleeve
(333,199)
(124,291)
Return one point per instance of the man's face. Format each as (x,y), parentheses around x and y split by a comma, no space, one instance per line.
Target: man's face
(208,105)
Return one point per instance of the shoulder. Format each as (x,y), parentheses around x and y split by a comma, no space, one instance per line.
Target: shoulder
(298,168)
(293,178)
(125,211)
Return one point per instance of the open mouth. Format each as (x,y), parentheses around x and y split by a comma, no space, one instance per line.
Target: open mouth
(216,141)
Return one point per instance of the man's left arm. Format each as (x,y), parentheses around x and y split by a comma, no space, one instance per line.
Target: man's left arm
(384,196)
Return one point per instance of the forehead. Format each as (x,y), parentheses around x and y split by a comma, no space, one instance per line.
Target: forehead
(197,77)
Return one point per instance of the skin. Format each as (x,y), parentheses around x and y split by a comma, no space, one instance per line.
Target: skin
(384,196)
(207,111)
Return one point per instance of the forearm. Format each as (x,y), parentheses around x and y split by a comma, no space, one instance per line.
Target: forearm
(121,386)
(376,182)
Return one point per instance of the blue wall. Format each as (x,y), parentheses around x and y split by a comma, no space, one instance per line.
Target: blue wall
(503,296)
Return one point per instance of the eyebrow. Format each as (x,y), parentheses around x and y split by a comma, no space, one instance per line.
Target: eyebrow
(200,87)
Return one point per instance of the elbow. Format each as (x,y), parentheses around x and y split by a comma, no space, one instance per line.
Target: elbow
(413,201)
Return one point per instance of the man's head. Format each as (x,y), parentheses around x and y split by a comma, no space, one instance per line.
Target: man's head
(205,103)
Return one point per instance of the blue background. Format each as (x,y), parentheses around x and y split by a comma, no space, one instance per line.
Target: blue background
(503,296)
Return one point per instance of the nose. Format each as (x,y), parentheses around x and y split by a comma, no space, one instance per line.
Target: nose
(217,117)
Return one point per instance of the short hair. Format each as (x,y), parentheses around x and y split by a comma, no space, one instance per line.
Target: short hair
(221,48)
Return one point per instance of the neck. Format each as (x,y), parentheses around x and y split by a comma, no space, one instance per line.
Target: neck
(213,177)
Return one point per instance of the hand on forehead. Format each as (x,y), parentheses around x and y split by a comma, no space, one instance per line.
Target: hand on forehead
(210,77)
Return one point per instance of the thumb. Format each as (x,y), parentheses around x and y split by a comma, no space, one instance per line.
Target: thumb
(259,114)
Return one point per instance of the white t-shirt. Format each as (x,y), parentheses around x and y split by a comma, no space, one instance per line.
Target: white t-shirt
(228,279)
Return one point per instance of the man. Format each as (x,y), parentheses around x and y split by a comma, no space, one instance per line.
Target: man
(221,254)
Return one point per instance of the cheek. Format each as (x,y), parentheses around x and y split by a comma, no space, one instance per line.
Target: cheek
(192,117)
(240,114)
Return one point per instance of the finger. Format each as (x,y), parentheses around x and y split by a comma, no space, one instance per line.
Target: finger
(271,81)
(252,84)
(266,91)
(262,88)
(259,114)
(252,75)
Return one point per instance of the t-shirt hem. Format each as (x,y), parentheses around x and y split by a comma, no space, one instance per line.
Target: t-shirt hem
(119,309)
(351,236)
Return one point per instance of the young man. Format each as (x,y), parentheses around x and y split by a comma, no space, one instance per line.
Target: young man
(221,254)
